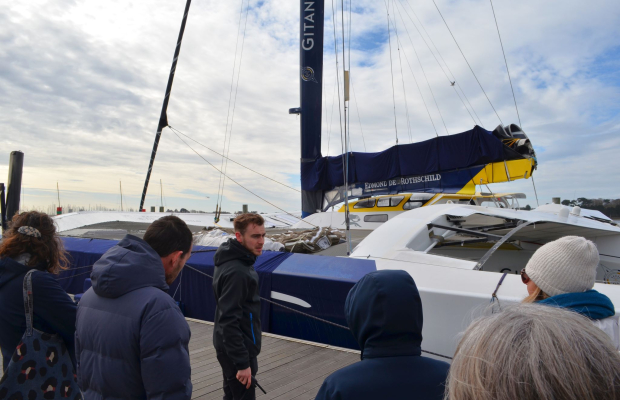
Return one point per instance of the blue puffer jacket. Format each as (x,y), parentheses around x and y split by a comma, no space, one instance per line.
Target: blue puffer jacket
(131,338)
(384,313)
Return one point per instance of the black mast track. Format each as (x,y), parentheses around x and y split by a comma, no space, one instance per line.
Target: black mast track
(163,118)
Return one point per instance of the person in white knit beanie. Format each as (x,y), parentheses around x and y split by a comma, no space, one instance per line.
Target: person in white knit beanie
(562,273)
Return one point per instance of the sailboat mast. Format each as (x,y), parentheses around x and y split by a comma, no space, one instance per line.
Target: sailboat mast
(311,92)
(163,117)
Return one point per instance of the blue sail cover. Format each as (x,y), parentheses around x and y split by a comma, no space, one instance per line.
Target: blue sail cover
(434,165)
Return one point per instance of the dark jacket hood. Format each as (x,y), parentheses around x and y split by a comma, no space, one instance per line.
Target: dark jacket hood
(384,313)
(233,250)
(11,269)
(131,264)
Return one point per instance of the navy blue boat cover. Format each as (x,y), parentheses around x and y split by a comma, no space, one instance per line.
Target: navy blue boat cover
(475,147)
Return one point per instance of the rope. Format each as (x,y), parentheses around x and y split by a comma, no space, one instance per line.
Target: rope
(243,187)
(451,81)
(305,314)
(232,80)
(506,62)
(420,90)
(447,67)
(391,67)
(535,194)
(358,111)
(73,269)
(465,58)
(231,160)
(73,276)
(402,76)
(424,73)
(233,111)
(337,75)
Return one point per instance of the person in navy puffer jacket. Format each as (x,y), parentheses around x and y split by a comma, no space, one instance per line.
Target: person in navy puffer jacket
(384,313)
(131,338)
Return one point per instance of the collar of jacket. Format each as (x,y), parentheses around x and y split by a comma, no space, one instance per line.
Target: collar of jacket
(590,303)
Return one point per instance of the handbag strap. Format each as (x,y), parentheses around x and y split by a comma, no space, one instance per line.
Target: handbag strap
(28,301)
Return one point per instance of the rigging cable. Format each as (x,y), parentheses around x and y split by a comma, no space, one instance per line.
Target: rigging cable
(402,76)
(234,107)
(423,73)
(243,187)
(506,62)
(421,95)
(465,58)
(536,194)
(337,75)
(231,160)
(391,68)
(452,81)
(232,81)
(358,112)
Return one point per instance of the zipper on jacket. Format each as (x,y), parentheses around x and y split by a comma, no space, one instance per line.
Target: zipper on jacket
(252,326)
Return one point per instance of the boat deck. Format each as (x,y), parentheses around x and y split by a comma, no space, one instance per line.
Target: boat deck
(287,368)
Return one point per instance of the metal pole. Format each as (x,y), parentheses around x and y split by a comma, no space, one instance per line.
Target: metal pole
(121,186)
(3,208)
(58,191)
(163,118)
(14,186)
(161,189)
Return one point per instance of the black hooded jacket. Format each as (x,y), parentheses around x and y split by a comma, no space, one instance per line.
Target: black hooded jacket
(237,314)
(384,313)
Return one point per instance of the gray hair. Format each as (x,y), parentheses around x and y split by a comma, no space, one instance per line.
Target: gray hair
(532,351)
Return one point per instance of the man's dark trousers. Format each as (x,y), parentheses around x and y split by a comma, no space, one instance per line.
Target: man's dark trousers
(233,389)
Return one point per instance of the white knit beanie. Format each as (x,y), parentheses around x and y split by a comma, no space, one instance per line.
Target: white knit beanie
(566,265)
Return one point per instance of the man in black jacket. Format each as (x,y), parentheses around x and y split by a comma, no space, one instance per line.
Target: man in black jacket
(237,333)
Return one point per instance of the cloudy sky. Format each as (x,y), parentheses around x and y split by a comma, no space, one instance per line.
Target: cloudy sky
(82,82)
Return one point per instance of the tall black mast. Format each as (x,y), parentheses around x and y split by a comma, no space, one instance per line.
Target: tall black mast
(311,89)
(163,118)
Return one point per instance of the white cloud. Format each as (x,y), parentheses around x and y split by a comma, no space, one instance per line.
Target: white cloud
(82,85)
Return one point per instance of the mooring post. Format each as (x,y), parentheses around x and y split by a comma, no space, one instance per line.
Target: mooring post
(3,208)
(14,186)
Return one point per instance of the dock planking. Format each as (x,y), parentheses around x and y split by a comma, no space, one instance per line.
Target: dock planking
(287,368)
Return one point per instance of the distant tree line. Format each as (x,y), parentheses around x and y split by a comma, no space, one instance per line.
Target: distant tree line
(609,207)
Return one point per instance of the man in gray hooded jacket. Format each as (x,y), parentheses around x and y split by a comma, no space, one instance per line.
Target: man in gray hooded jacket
(131,338)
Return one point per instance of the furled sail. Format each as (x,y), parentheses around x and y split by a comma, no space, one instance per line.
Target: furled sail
(446,164)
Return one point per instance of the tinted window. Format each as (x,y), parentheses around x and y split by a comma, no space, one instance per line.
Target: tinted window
(410,205)
(394,201)
(383,202)
(376,218)
(367,203)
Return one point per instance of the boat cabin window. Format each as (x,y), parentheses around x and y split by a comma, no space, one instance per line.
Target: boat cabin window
(389,201)
(410,205)
(366,203)
(376,218)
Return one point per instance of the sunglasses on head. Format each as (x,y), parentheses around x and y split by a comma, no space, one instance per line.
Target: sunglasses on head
(524,278)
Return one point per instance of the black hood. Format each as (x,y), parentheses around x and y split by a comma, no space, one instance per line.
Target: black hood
(233,250)
(384,313)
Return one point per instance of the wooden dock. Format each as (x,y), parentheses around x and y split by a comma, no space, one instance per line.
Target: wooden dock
(287,368)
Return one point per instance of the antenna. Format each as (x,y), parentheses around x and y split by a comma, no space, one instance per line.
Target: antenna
(161,192)
(59,209)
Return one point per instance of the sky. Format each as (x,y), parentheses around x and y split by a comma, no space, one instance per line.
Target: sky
(82,83)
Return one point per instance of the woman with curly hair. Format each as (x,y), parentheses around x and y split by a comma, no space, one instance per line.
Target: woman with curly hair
(31,242)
